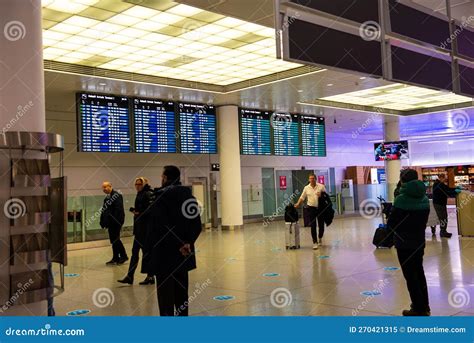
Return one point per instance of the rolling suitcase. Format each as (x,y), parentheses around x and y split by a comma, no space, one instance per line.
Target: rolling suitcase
(383,237)
(292,235)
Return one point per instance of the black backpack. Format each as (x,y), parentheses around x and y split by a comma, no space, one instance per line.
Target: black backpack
(291,214)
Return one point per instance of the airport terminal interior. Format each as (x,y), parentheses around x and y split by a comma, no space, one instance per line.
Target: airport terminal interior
(249,99)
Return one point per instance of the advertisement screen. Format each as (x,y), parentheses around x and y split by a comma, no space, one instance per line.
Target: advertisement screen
(389,151)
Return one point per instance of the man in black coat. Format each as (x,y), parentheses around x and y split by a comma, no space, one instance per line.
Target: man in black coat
(141,223)
(112,217)
(441,193)
(175,226)
(408,219)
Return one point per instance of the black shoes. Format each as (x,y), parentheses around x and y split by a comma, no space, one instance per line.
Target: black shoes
(149,280)
(122,260)
(127,280)
(111,263)
(413,313)
(445,234)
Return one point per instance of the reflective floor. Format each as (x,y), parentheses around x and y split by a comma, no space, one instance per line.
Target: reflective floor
(251,274)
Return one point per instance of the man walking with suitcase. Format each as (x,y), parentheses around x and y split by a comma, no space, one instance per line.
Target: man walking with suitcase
(312,192)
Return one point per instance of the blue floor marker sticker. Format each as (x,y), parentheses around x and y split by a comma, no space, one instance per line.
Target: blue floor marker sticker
(276,249)
(271,274)
(324,257)
(78,312)
(370,293)
(71,275)
(259,242)
(391,268)
(231,259)
(224,297)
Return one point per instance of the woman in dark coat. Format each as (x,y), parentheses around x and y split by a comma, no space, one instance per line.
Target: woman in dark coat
(141,220)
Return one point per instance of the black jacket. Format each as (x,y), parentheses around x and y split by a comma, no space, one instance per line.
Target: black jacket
(325,209)
(140,221)
(175,221)
(112,213)
(409,216)
(441,193)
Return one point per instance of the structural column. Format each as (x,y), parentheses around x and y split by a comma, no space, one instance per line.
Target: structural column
(22,108)
(230,172)
(22,104)
(391,132)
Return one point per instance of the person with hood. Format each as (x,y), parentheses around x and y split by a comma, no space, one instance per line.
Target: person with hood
(408,220)
(141,218)
(441,193)
(175,227)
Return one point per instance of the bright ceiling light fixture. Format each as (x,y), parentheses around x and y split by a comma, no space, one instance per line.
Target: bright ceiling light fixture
(163,39)
(398,97)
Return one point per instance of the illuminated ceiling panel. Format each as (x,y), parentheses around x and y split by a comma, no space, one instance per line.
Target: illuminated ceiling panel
(398,97)
(172,40)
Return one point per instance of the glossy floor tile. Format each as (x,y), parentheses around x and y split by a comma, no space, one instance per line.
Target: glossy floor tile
(250,273)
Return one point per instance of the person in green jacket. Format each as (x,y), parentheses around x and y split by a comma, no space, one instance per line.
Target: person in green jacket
(408,220)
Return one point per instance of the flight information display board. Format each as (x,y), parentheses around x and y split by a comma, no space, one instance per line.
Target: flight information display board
(255,132)
(154,126)
(104,123)
(313,136)
(286,134)
(198,131)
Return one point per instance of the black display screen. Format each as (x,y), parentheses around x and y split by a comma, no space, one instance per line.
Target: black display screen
(465,41)
(328,47)
(255,132)
(466,80)
(103,123)
(355,10)
(420,69)
(198,128)
(313,136)
(419,25)
(286,134)
(154,125)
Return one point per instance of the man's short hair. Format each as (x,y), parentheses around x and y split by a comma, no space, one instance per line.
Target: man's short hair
(172,173)
(408,175)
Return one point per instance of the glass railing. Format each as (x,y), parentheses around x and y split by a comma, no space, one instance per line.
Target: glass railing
(86,226)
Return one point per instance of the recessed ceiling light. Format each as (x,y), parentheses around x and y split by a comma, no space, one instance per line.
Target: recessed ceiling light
(362,77)
(102,84)
(330,84)
(450,142)
(300,91)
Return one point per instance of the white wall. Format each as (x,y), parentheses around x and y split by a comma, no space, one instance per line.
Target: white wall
(442,153)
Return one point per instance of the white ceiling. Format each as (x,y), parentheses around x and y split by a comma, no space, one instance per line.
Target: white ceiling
(282,95)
